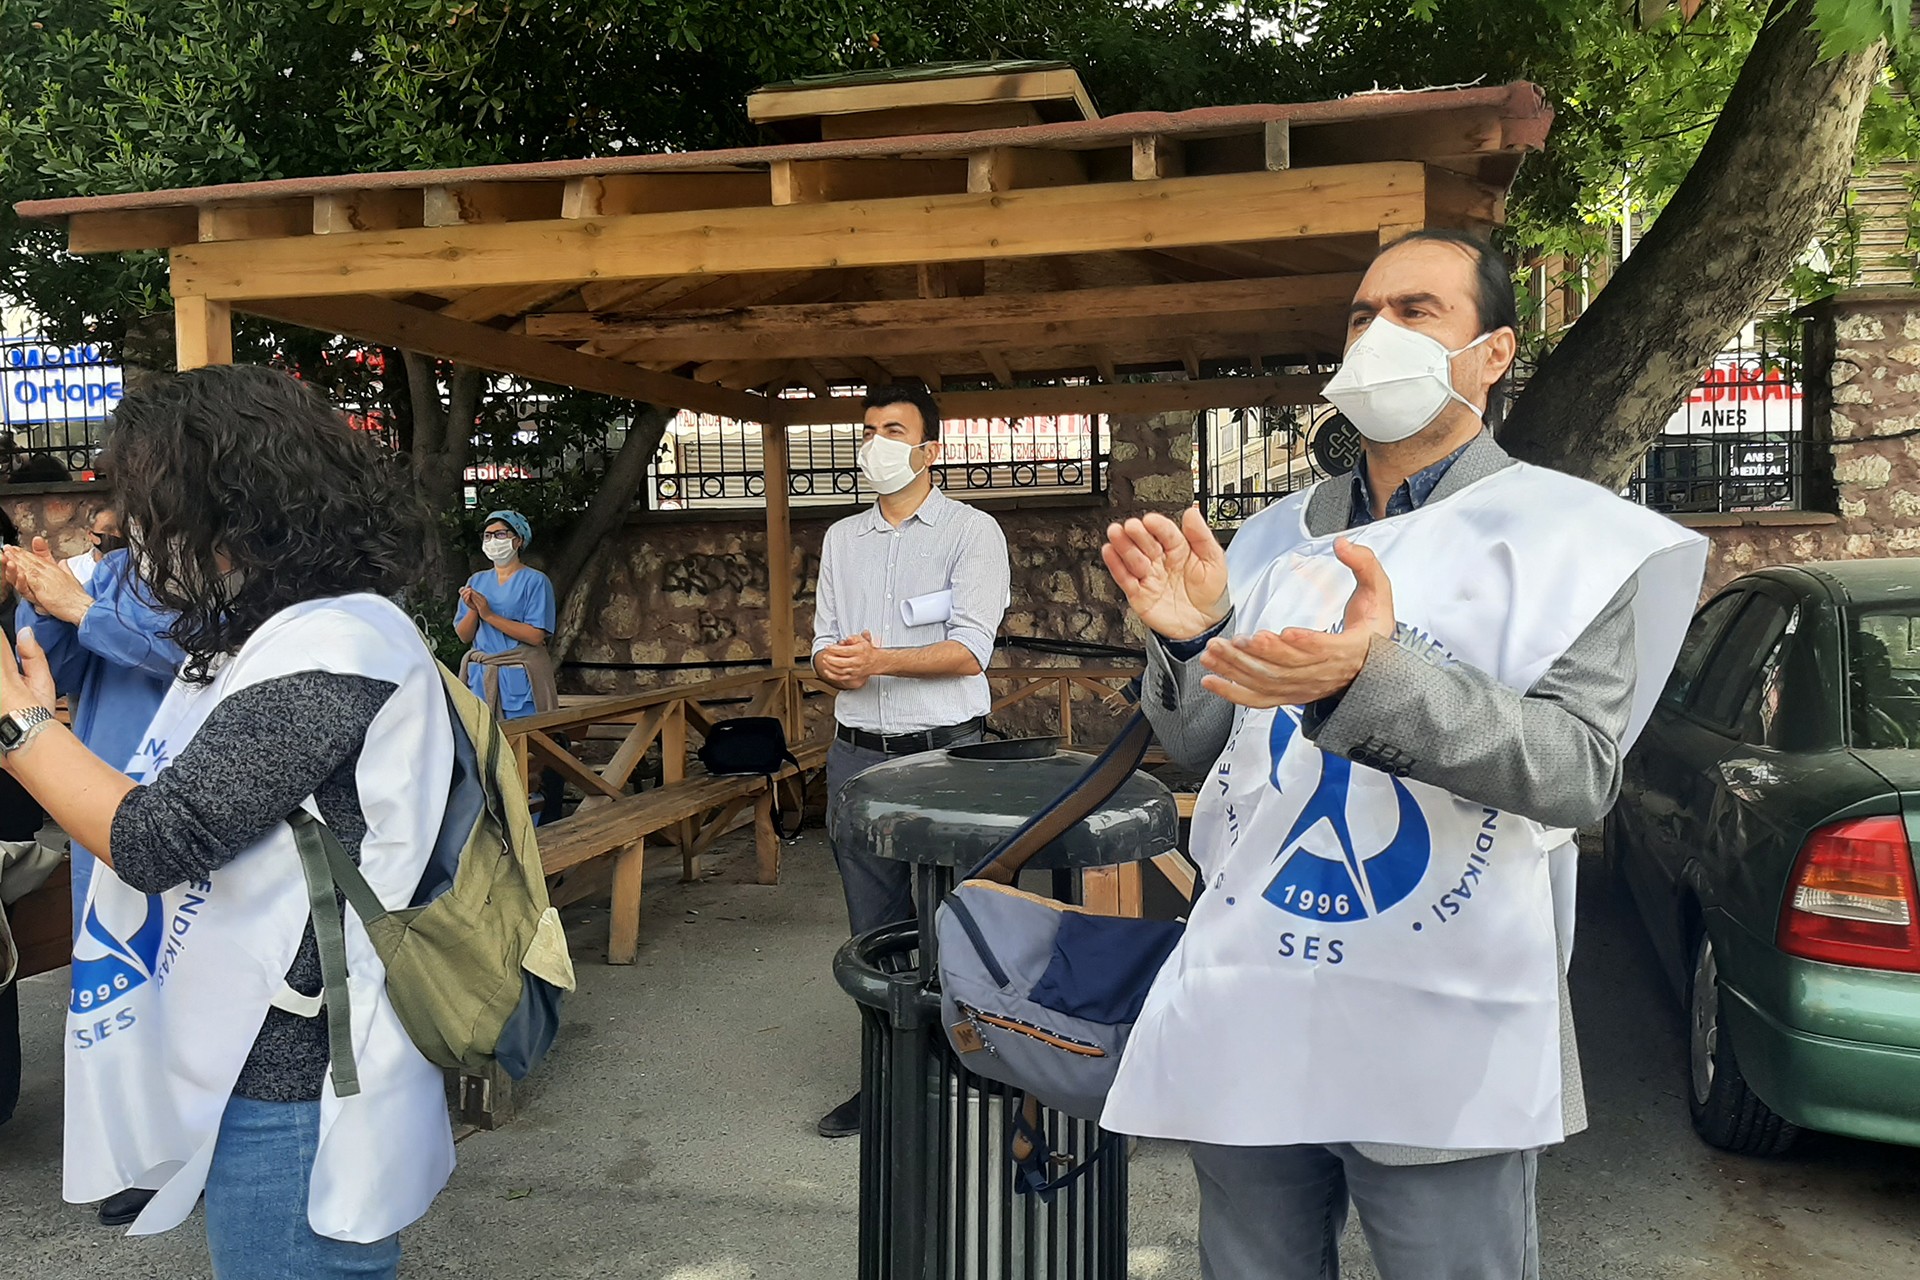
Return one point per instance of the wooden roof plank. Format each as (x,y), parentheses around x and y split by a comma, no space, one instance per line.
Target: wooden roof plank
(1166,396)
(1296,203)
(373,319)
(121,231)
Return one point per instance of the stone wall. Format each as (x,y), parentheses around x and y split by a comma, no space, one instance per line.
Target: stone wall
(57,513)
(1862,419)
(695,591)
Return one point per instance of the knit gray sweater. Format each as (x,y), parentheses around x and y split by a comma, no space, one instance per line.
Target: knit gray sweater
(259,754)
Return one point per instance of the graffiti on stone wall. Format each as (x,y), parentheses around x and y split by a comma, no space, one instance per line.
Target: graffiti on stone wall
(704,574)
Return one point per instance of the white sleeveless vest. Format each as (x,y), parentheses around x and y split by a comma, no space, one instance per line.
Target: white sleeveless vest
(1374,959)
(171,990)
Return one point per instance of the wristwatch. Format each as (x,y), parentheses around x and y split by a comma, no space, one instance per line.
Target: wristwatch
(17,727)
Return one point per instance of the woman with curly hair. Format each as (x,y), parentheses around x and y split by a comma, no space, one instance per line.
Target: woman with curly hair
(197,1059)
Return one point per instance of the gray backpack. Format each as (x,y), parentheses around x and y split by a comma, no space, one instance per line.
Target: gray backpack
(1038,994)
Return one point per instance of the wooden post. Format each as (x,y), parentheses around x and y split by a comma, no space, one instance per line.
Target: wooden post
(1113,891)
(780,639)
(766,836)
(673,768)
(623,921)
(202,332)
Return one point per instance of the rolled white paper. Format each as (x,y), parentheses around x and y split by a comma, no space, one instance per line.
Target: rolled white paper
(924,611)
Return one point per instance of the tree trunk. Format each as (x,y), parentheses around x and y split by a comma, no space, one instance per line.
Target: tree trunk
(1770,176)
(442,441)
(626,473)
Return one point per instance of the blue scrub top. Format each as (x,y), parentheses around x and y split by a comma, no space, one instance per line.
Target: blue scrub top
(115,668)
(526,597)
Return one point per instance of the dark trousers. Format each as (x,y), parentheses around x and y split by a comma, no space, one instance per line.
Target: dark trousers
(879,890)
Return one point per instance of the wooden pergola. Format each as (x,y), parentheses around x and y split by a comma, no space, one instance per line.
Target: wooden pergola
(977,227)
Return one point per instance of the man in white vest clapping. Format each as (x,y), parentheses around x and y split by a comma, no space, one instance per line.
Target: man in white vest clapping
(1408,685)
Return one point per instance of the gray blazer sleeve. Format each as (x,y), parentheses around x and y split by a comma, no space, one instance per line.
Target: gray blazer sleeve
(1191,723)
(1551,754)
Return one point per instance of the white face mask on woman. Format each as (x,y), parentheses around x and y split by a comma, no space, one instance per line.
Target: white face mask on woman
(1394,382)
(499,550)
(887,464)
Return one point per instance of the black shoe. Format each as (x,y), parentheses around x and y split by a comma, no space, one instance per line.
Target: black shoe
(122,1207)
(843,1121)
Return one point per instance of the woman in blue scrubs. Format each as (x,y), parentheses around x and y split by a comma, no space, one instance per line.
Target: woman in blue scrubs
(506,615)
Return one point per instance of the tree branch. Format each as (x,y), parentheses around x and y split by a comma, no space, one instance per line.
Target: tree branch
(626,472)
(1769,177)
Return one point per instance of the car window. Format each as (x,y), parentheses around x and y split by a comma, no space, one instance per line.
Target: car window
(1760,718)
(1724,682)
(1883,677)
(1696,646)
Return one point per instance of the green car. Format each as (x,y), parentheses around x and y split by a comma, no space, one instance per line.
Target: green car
(1766,831)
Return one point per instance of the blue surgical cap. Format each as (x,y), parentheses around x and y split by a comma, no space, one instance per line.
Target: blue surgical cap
(516,522)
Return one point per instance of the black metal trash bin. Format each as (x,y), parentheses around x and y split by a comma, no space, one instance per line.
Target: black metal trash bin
(938,1197)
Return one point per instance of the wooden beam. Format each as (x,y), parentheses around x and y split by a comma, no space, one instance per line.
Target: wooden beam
(780,637)
(411,329)
(996,362)
(1101,217)
(1052,84)
(126,230)
(256,220)
(202,332)
(1418,135)
(1155,157)
(1454,200)
(822,181)
(1103,365)
(1010,168)
(484,202)
(626,193)
(1124,397)
(950,279)
(382,210)
(857,326)
(949,118)
(503,300)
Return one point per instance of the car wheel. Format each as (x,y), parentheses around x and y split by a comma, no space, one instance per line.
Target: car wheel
(1725,1111)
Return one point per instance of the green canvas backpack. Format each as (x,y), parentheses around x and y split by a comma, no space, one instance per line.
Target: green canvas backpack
(477,961)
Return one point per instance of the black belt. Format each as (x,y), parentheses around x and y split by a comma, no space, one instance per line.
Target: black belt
(906,744)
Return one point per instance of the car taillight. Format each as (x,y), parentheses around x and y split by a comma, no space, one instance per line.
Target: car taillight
(1852,898)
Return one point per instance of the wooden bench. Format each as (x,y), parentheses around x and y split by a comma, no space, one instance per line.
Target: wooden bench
(618,829)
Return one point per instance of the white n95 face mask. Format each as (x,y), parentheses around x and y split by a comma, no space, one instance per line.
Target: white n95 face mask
(887,464)
(1394,382)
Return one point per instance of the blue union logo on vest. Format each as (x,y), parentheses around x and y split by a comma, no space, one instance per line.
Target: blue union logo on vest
(1323,874)
(107,965)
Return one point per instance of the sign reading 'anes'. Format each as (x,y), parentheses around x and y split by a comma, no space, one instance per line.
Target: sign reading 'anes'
(42,383)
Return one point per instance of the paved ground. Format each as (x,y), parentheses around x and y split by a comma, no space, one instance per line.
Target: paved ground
(671,1136)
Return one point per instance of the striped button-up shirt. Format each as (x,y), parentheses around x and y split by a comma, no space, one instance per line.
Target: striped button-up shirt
(870,572)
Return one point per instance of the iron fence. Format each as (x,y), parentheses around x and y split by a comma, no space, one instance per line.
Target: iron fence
(706,462)
(1738,443)
(1246,459)
(56,400)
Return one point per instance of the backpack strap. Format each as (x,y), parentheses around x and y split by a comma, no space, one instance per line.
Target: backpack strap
(328,870)
(1089,791)
(1034,1158)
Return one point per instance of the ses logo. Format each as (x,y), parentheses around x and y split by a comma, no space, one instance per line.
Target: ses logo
(113,956)
(1324,872)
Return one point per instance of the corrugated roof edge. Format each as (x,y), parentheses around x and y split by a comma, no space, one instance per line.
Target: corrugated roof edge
(1526,111)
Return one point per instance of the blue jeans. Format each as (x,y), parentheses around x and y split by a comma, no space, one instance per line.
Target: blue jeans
(257,1201)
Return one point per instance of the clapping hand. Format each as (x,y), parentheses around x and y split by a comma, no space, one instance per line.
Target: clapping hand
(476,602)
(1298,666)
(44,582)
(1174,575)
